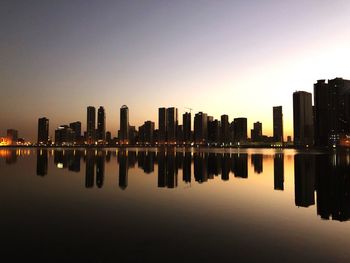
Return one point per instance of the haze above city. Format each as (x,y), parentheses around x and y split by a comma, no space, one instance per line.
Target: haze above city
(239,58)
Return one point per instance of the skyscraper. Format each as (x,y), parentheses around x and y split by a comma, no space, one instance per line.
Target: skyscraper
(225,130)
(162,122)
(43,130)
(76,128)
(101,124)
(124,125)
(332,114)
(186,123)
(200,128)
(172,122)
(240,130)
(277,124)
(302,118)
(149,132)
(256,132)
(90,125)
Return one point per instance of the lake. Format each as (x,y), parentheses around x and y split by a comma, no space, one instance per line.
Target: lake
(174,205)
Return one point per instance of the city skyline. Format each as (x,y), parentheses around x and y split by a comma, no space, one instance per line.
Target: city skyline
(72,55)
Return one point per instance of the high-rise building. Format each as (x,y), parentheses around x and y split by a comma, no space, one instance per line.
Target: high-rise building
(303,118)
(148,132)
(171,126)
(162,125)
(200,128)
(186,123)
(124,125)
(64,135)
(214,132)
(225,130)
(256,132)
(43,130)
(332,114)
(12,135)
(76,127)
(278,124)
(90,125)
(240,130)
(101,124)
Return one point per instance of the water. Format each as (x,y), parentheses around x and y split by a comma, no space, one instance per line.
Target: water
(142,205)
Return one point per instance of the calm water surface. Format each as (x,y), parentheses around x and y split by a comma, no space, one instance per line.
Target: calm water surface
(153,205)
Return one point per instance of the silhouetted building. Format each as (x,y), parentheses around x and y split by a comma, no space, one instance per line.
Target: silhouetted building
(240,130)
(304,179)
(64,135)
(256,132)
(278,171)
(149,132)
(332,111)
(172,123)
(43,130)
(41,162)
(303,119)
(101,124)
(200,128)
(132,135)
(179,134)
(214,132)
(162,125)
(278,124)
(225,130)
(124,125)
(91,125)
(186,123)
(76,128)
(109,137)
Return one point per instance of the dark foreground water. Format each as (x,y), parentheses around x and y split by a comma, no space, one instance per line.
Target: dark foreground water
(148,205)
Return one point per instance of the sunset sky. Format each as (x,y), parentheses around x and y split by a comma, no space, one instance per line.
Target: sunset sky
(239,58)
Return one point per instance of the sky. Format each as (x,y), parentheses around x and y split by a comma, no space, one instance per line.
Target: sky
(239,58)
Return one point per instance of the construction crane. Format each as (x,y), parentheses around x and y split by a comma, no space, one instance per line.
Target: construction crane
(189,109)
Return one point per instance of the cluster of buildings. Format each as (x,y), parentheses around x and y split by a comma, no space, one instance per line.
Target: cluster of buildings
(326,123)
(322,121)
(201,130)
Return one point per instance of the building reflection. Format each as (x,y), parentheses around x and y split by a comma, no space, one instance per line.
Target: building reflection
(41,162)
(100,168)
(167,169)
(257,162)
(333,186)
(123,168)
(278,171)
(304,180)
(240,165)
(89,168)
(327,174)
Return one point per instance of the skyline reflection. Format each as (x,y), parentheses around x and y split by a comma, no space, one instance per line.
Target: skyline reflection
(321,180)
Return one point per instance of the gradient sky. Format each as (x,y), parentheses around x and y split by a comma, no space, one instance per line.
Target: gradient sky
(234,57)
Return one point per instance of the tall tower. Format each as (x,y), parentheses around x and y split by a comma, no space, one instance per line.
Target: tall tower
(186,123)
(302,118)
(162,122)
(91,125)
(201,128)
(124,125)
(278,124)
(171,125)
(43,130)
(225,130)
(101,124)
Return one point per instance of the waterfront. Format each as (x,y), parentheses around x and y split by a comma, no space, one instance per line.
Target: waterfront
(149,204)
